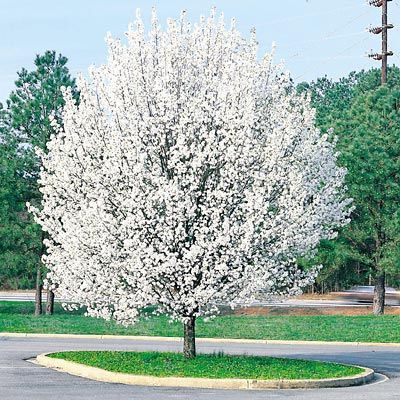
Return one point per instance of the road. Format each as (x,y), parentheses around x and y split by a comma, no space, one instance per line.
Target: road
(21,380)
(20,296)
(290,303)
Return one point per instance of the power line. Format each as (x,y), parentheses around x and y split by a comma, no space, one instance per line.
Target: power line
(313,41)
(349,22)
(296,17)
(334,56)
(383,30)
(330,34)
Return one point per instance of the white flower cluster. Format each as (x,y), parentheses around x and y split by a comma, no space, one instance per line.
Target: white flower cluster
(189,174)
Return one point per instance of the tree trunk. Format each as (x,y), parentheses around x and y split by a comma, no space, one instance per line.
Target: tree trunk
(50,302)
(189,338)
(38,293)
(379,294)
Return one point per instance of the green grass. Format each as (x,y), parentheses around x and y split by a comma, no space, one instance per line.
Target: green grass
(208,365)
(18,317)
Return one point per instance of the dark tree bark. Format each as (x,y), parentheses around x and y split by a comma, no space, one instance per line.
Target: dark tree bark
(379,294)
(189,338)
(39,289)
(50,302)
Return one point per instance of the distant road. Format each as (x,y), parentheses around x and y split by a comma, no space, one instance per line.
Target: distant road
(20,296)
(300,303)
(30,296)
(21,380)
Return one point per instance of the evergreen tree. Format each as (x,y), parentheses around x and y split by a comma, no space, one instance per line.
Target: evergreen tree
(370,148)
(36,99)
(18,234)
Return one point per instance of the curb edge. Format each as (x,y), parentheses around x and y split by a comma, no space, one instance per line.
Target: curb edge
(102,375)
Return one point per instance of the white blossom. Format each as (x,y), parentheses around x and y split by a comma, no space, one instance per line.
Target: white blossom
(190,174)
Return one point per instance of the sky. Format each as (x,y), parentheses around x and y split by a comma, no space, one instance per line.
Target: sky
(313,37)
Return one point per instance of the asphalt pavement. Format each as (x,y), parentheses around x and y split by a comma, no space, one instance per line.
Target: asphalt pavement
(22,380)
(292,302)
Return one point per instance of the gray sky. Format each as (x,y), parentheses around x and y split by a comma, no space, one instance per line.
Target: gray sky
(314,37)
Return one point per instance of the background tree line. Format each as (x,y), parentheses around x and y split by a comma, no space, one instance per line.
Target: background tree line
(365,119)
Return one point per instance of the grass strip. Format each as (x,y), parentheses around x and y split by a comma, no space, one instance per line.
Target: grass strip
(217,366)
(18,317)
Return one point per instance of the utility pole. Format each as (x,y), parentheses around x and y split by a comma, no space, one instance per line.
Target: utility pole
(379,289)
(383,56)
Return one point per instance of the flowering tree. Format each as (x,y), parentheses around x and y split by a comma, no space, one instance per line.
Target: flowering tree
(190,174)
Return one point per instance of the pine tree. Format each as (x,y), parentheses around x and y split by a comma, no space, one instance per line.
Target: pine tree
(36,99)
(18,233)
(370,148)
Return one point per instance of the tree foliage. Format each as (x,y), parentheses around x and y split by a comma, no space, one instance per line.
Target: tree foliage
(18,238)
(25,124)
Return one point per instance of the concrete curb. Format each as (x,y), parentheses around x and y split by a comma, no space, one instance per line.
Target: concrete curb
(102,375)
(199,340)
